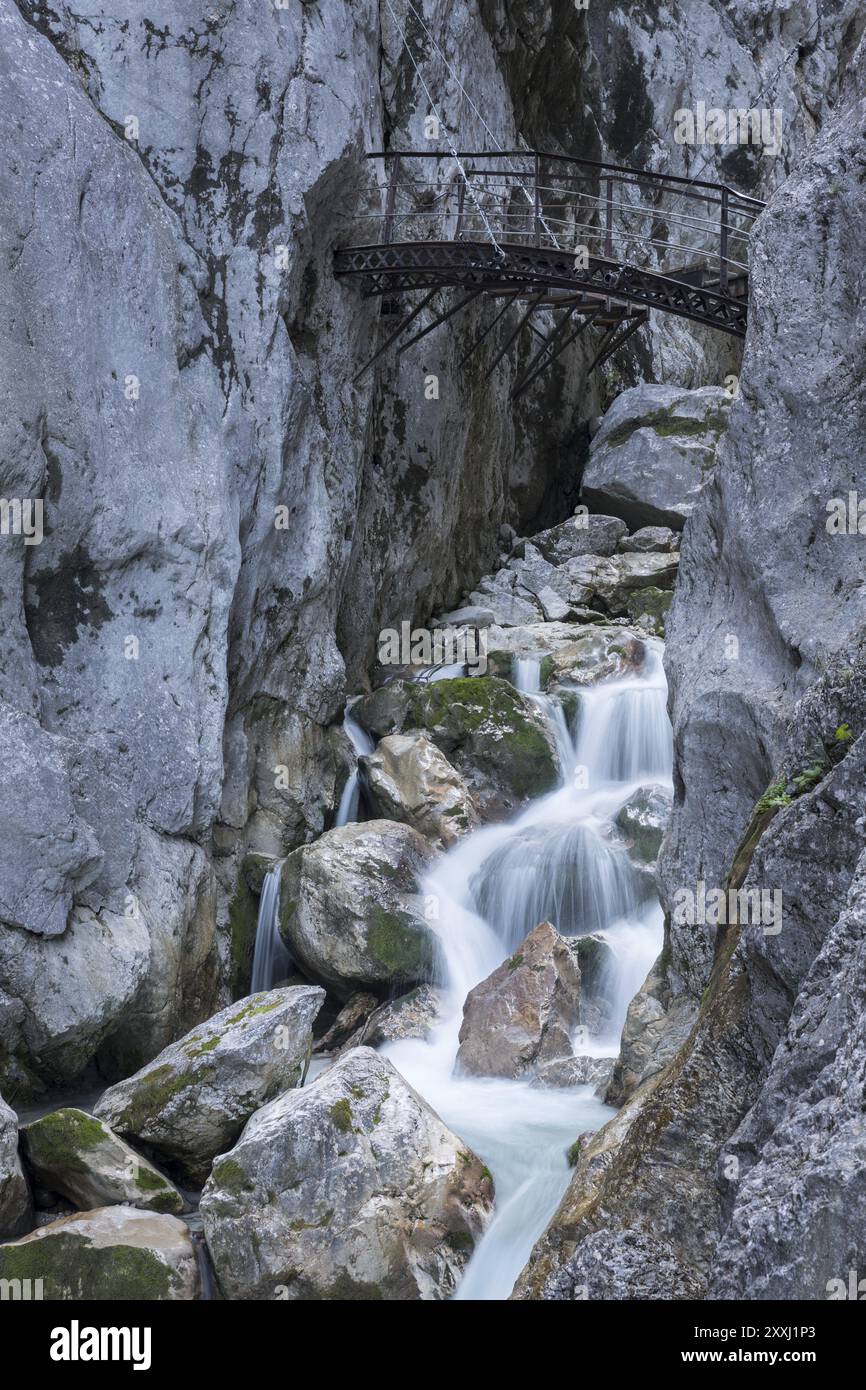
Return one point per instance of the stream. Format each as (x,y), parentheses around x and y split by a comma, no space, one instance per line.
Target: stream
(558,861)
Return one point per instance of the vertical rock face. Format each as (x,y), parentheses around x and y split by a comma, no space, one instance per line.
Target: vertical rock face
(743,1153)
(178,377)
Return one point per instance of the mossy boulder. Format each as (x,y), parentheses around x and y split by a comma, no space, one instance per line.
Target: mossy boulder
(351,912)
(495,736)
(77,1156)
(192,1101)
(648,608)
(350,1189)
(113,1254)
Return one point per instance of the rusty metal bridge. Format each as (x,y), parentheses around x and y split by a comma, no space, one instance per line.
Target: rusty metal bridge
(594,245)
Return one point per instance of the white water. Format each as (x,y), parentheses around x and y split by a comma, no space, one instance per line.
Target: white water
(554,861)
(350,801)
(271,960)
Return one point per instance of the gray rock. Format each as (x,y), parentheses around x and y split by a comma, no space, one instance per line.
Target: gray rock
(77,1156)
(525,1013)
(193,1100)
(351,912)
(349,1189)
(409,780)
(793,1176)
(111,1254)
(650,538)
(609,582)
(580,535)
(653,453)
(16,1208)
(477,616)
(72,989)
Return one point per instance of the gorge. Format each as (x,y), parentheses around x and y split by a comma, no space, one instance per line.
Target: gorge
(360,971)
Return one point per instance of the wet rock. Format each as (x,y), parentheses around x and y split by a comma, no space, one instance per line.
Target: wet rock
(192,1100)
(643,820)
(77,1156)
(351,1188)
(113,1254)
(413,1015)
(568,654)
(576,1071)
(653,453)
(351,912)
(409,780)
(16,1209)
(496,737)
(525,1012)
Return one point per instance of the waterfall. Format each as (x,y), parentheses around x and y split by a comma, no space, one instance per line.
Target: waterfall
(271,960)
(556,860)
(350,801)
(526,675)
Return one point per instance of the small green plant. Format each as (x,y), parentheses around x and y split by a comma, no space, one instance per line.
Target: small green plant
(843,734)
(774,797)
(809,778)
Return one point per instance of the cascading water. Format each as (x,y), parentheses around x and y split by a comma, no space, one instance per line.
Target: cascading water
(350,801)
(554,861)
(271,960)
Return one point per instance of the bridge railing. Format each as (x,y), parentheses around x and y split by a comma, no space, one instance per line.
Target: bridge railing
(678,226)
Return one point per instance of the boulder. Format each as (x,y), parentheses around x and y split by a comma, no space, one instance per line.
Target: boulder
(191,1102)
(409,780)
(77,1156)
(609,582)
(114,1254)
(16,1210)
(411,1016)
(349,1189)
(643,820)
(579,535)
(653,453)
(526,1011)
(650,538)
(496,737)
(350,911)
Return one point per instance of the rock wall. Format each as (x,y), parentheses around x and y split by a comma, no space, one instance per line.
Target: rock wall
(732,1171)
(179,366)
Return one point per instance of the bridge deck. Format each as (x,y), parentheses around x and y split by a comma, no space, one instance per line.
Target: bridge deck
(601,242)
